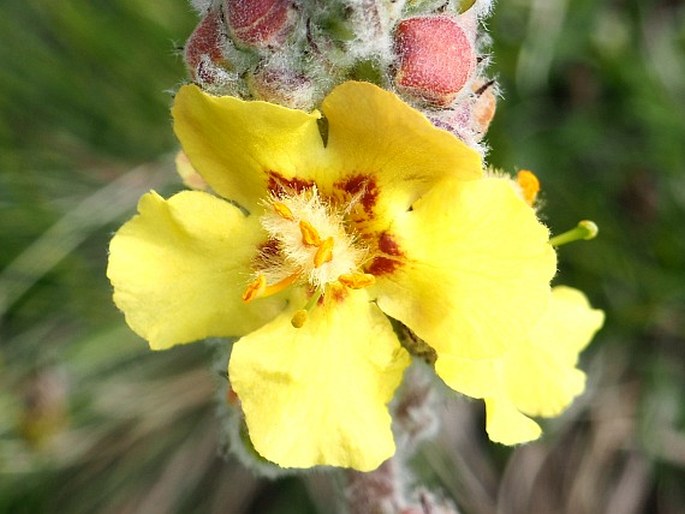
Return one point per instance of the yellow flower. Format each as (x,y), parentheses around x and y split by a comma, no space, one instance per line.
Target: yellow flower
(335,222)
(537,376)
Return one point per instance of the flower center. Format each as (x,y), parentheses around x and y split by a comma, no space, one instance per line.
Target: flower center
(309,244)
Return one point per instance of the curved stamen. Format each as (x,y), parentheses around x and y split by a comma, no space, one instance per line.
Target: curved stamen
(259,288)
(255,289)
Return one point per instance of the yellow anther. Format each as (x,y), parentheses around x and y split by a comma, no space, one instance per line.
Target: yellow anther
(529,184)
(310,236)
(255,289)
(324,253)
(299,318)
(283,211)
(357,280)
(259,289)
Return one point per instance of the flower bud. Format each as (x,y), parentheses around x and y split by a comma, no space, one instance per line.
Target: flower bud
(203,51)
(259,22)
(484,106)
(436,58)
(277,83)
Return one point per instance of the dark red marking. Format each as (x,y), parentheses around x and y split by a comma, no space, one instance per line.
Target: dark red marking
(388,245)
(383,266)
(268,252)
(270,247)
(363,186)
(277,184)
(337,294)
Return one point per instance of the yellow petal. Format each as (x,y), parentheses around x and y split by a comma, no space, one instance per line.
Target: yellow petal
(477,272)
(238,146)
(477,378)
(568,326)
(505,424)
(540,377)
(317,395)
(539,385)
(371,131)
(191,178)
(233,144)
(180,266)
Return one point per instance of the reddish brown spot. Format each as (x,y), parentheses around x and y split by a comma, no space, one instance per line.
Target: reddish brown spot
(270,247)
(388,245)
(278,185)
(266,253)
(363,187)
(383,266)
(337,294)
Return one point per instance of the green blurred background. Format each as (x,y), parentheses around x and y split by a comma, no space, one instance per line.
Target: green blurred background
(92,421)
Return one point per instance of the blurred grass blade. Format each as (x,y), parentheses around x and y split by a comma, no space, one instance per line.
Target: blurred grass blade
(93,212)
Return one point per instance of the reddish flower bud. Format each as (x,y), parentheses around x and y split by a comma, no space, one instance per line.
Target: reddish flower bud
(258,22)
(203,50)
(282,85)
(484,106)
(436,58)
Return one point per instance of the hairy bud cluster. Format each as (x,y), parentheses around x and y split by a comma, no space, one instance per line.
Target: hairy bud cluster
(293,52)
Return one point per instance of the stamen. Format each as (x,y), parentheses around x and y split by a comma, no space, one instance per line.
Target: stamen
(259,289)
(357,280)
(584,230)
(310,236)
(280,285)
(255,289)
(301,315)
(529,184)
(283,211)
(324,253)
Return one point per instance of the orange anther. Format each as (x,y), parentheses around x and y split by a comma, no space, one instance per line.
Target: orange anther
(357,280)
(529,184)
(255,289)
(324,253)
(310,236)
(258,287)
(283,211)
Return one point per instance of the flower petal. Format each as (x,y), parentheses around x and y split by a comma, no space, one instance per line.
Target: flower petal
(477,270)
(477,378)
(539,385)
(570,324)
(234,144)
(505,424)
(317,395)
(371,131)
(541,378)
(180,266)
